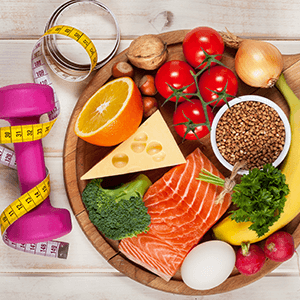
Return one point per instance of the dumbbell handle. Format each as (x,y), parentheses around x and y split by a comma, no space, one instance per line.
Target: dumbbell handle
(44,222)
(30,160)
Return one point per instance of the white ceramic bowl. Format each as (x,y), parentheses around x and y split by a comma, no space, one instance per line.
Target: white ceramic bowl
(261,99)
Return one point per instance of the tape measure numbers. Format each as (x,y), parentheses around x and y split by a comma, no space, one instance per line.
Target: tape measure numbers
(25,203)
(19,208)
(59,68)
(54,249)
(27,133)
(7,157)
(54,20)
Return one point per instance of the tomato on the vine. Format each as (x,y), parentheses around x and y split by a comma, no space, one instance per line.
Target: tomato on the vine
(191,113)
(199,39)
(215,79)
(177,74)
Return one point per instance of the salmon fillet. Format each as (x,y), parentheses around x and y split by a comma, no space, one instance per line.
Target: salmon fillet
(182,210)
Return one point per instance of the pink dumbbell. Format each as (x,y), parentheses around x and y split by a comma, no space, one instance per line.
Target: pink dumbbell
(23,104)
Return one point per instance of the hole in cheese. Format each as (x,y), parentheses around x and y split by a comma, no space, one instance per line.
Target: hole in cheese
(159,156)
(138,147)
(153,148)
(120,160)
(141,137)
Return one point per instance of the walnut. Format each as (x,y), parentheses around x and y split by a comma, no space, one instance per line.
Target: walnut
(147,52)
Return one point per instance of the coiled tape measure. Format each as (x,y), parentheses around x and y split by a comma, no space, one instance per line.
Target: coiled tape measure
(45,54)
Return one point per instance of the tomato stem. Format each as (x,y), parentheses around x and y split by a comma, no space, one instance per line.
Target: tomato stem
(221,96)
(177,93)
(208,61)
(190,126)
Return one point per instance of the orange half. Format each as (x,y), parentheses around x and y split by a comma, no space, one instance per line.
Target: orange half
(112,114)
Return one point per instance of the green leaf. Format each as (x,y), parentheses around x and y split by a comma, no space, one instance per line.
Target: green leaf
(260,198)
(190,126)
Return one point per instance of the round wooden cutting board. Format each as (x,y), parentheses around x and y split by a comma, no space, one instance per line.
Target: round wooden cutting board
(80,156)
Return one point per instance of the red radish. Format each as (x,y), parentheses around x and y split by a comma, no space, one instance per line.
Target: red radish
(279,246)
(249,259)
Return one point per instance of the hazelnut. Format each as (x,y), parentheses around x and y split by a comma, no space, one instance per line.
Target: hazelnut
(122,69)
(147,85)
(149,105)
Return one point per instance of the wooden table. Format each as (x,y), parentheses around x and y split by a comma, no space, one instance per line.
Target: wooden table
(85,274)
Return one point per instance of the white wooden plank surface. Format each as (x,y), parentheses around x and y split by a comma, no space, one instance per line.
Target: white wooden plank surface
(270,18)
(85,274)
(113,286)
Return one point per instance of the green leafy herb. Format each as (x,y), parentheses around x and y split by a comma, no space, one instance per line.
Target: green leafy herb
(260,197)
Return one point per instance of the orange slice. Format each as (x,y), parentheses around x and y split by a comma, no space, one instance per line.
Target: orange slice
(112,114)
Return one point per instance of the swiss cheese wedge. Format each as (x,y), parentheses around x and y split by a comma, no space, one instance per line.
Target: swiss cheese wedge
(152,146)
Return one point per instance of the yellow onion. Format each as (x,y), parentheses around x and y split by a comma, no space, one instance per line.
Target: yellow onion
(257,63)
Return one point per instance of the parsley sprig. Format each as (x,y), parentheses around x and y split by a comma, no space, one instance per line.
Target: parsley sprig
(260,196)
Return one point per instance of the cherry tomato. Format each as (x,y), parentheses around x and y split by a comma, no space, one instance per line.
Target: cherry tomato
(177,74)
(215,79)
(199,39)
(194,111)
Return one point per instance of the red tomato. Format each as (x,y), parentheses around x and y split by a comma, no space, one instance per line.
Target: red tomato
(199,39)
(215,79)
(194,111)
(177,74)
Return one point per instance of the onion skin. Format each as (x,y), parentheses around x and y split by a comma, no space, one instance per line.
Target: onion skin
(258,63)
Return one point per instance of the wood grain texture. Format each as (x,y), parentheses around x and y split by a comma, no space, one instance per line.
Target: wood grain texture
(80,156)
(271,18)
(107,286)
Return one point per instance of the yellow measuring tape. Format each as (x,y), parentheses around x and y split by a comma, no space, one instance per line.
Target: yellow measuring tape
(27,133)
(25,203)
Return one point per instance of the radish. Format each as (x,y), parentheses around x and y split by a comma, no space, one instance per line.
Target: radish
(249,259)
(279,246)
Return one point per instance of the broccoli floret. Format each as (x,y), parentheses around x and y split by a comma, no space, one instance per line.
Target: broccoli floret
(118,213)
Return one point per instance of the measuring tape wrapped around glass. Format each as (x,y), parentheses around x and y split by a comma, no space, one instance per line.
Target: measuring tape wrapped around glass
(46,54)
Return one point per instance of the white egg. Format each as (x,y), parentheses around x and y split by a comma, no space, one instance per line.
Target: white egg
(208,265)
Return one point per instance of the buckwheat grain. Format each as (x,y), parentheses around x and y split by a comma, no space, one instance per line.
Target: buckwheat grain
(251,131)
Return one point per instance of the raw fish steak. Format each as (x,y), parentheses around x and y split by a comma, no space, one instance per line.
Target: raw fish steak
(182,210)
